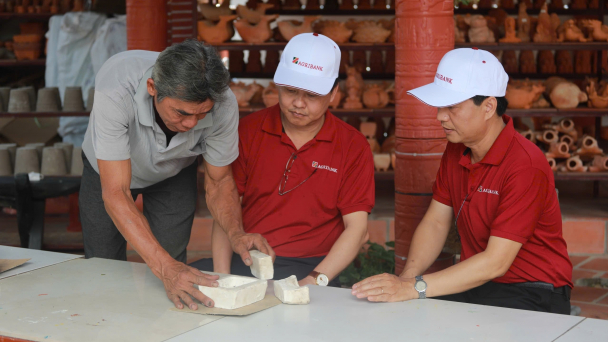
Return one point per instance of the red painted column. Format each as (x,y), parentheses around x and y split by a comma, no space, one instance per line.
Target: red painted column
(147,25)
(424,33)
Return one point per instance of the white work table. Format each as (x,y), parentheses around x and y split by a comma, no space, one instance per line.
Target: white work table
(588,330)
(39,259)
(104,300)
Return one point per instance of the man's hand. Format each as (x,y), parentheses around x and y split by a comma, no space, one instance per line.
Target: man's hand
(179,280)
(307,281)
(385,288)
(242,243)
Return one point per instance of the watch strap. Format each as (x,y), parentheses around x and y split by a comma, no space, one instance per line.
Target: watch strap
(315,275)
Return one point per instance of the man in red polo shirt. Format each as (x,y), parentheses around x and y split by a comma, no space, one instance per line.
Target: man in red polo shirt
(501,190)
(306,177)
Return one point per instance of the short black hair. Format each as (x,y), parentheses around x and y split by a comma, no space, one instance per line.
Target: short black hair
(501,103)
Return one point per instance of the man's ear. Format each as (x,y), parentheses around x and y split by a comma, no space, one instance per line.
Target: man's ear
(334,92)
(490,106)
(151,88)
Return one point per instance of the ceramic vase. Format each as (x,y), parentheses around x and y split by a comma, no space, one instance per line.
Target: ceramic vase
(26,160)
(53,162)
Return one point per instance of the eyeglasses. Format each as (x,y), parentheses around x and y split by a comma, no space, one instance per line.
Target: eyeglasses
(285,177)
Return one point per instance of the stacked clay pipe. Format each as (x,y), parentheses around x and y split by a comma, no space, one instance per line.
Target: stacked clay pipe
(20,100)
(567,150)
(62,159)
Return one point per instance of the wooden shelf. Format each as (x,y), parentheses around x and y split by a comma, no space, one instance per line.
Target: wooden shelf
(41,114)
(515,11)
(26,16)
(24,63)
(332,12)
(239,45)
(366,75)
(581,176)
(595,46)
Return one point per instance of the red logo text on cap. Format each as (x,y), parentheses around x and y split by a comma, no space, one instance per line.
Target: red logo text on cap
(296,60)
(443,78)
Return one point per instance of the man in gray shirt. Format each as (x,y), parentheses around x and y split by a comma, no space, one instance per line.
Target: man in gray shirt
(153,115)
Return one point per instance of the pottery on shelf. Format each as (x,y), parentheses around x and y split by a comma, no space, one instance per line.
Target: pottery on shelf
(523,23)
(548,137)
(334,30)
(382,161)
(53,162)
(370,32)
(564,62)
(373,144)
(72,100)
(600,162)
(38,146)
(19,101)
(243,93)
(258,33)
(569,141)
(67,149)
(529,135)
(509,61)
(595,100)
(90,99)
(523,95)
(558,150)
(47,100)
(544,32)
(583,61)
(564,94)
(546,62)
(253,16)
(213,13)
(12,150)
(570,32)
(479,31)
(27,46)
(289,30)
(589,147)
(77,165)
(575,164)
(216,33)
(376,96)
(389,25)
(270,95)
(354,89)
(527,64)
(510,33)
(26,160)
(368,129)
(552,164)
(597,31)
(6,166)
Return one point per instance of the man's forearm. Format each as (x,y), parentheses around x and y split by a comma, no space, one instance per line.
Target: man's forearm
(134,227)
(224,204)
(221,250)
(427,243)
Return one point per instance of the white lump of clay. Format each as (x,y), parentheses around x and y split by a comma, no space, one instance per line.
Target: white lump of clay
(261,267)
(235,292)
(289,292)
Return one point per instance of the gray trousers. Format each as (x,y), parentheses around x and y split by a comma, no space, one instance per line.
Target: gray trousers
(169,207)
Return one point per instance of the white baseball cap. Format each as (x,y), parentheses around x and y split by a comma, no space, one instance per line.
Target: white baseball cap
(461,75)
(311,62)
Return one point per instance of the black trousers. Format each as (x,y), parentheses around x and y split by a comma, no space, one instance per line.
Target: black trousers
(516,297)
(283,267)
(169,207)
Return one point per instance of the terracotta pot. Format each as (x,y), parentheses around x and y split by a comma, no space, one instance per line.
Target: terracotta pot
(373,144)
(27,38)
(90,99)
(6,166)
(77,165)
(335,30)
(19,101)
(375,96)
(253,16)
(26,160)
(564,94)
(38,146)
(289,30)
(4,95)
(27,51)
(258,33)
(575,164)
(243,93)
(368,129)
(47,100)
(67,149)
(371,32)
(523,96)
(12,151)
(213,13)
(382,161)
(558,151)
(552,164)
(588,147)
(601,162)
(72,100)
(548,137)
(53,162)
(216,33)
(271,95)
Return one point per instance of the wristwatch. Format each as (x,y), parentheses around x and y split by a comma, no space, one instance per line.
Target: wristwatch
(420,286)
(320,278)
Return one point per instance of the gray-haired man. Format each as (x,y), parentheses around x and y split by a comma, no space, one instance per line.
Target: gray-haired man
(153,115)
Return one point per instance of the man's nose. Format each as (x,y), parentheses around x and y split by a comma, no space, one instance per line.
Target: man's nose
(190,121)
(442,114)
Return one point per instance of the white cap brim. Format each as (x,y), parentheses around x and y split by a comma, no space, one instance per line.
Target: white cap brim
(437,96)
(310,83)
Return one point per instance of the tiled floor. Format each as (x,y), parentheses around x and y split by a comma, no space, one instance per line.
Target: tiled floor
(592,301)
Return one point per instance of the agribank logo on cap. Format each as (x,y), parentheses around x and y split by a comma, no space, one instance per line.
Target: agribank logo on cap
(461,75)
(310,62)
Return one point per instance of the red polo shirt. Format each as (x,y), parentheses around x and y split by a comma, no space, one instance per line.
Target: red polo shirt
(511,194)
(307,221)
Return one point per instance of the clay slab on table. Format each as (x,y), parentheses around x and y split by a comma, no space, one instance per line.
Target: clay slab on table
(262,267)
(235,292)
(289,292)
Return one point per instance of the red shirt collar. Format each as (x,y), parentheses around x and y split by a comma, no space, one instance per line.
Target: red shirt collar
(273,125)
(499,148)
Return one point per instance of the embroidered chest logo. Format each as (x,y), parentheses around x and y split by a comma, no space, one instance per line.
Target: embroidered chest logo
(323,167)
(443,78)
(296,60)
(488,191)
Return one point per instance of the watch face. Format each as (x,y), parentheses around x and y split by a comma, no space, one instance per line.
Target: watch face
(322,280)
(420,286)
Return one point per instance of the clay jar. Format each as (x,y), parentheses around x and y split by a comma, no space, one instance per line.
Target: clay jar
(19,101)
(289,30)
(213,33)
(253,16)
(258,33)
(67,149)
(270,95)
(213,13)
(523,97)
(53,162)
(77,165)
(368,129)
(26,160)
(382,161)
(564,94)
(334,30)
(370,32)
(73,101)
(47,100)
(375,96)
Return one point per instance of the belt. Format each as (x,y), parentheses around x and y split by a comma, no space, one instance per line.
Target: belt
(563,290)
